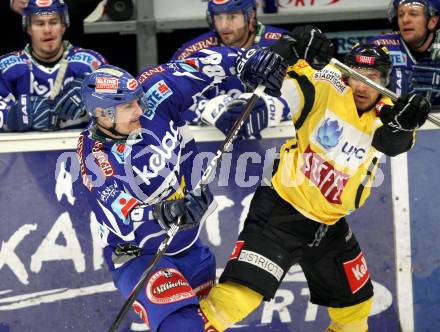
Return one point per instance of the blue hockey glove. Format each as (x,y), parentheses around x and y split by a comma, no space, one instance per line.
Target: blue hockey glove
(408,113)
(30,113)
(262,66)
(223,111)
(425,77)
(254,124)
(191,209)
(68,104)
(305,42)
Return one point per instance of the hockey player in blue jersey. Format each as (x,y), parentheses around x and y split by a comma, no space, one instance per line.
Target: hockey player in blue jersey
(40,85)
(233,23)
(414,47)
(136,162)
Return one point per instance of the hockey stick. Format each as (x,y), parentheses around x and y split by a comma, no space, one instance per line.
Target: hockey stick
(58,84)
(384,91)
(232,134)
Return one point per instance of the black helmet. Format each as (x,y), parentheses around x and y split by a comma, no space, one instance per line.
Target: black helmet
(370,56)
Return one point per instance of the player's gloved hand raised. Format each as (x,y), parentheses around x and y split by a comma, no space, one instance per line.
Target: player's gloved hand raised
(30,113)
(191,209)
(425,77)
(68,104)
(305,42)
(408,113)
(260,66)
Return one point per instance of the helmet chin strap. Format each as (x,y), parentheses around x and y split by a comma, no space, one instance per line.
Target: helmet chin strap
(249,36)
(427,34)
(424,40)
(113,130)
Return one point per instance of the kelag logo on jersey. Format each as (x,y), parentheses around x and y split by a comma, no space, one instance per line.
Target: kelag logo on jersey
(155,96)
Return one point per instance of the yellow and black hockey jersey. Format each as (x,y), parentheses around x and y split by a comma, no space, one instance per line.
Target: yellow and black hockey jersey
(327,170)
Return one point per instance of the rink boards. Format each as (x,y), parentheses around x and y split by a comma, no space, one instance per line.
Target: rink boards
(53,277)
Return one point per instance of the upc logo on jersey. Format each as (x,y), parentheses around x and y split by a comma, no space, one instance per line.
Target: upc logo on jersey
(106,84)
(155,96)
(168,286)
(122,206)
(357,272)
(329,134)
(363,59)
(342,143)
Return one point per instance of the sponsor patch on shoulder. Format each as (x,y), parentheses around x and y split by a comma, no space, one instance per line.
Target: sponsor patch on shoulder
(155,96)
(9,62)
(331,76)
(150,72)
(272,35)
(168,286)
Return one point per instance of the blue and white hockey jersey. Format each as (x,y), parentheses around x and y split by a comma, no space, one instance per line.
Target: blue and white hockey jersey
(265,36)
(21,73)
(402,59)
(125,178)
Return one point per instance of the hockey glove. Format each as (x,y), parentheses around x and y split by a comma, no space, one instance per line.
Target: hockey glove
(425,77)
(191,209)
(262,66)
(305,42)
(223,111)
(68,104)
(408,113)
(30,113)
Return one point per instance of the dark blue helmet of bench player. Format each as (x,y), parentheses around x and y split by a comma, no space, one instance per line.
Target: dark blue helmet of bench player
(370,56)
(108,87)
(45,7)
(216,7)
(431,8)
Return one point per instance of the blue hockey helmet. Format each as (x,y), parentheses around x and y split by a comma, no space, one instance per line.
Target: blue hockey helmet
(431,7)
(370,56)
(108,87)
(216,7)
(45,7)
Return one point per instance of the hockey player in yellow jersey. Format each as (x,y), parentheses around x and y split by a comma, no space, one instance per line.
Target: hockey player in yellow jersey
(342,127)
